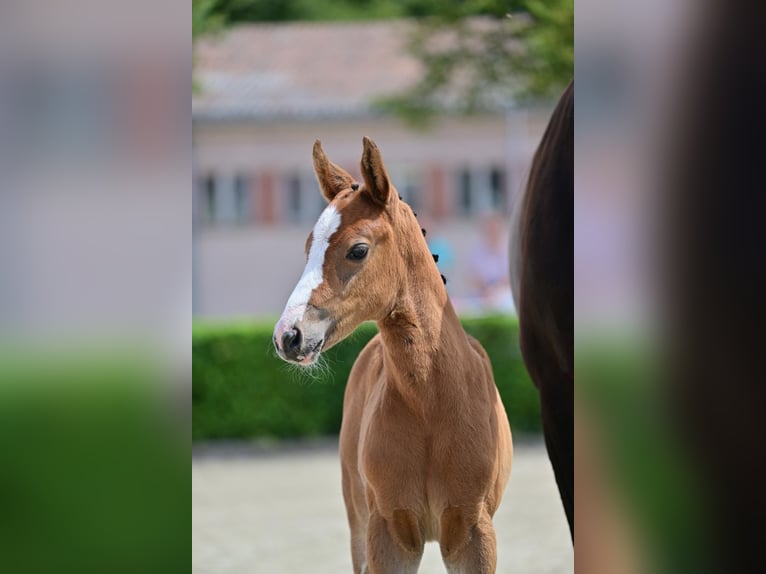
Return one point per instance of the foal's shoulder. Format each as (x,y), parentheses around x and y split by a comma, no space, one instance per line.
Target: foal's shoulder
(373,348)
(367,367)
(369,356)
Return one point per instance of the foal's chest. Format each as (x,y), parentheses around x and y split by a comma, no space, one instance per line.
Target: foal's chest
(425,462)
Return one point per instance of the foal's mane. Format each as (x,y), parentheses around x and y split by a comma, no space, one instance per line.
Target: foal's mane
(434,255)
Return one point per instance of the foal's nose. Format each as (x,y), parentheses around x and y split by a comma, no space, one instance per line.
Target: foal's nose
(291,342)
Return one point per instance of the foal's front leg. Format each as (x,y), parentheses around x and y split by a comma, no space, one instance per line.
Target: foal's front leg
(467,542)
(394,546)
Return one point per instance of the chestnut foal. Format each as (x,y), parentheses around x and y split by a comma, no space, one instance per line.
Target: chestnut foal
(425,445)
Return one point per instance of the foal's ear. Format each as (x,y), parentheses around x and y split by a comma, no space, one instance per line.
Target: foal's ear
(332,178)
(375,177)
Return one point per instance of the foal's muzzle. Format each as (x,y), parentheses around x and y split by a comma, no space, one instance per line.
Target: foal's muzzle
(303,341)
(294,347)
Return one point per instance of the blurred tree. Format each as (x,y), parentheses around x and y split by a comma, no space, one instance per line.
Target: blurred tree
(319,10)
(235,11)
(256,10)
(205,18)
(486,53)
(475,53)
(547,65)
(456,9)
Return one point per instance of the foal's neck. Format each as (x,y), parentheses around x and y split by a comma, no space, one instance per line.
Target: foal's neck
(426,349)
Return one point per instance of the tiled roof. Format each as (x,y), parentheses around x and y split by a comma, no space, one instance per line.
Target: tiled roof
(301,70)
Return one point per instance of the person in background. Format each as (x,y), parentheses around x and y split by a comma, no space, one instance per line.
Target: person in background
(489,265)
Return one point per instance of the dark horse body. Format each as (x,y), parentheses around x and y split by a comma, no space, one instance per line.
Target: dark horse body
(542,276)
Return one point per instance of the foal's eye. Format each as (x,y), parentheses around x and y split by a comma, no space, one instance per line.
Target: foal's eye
(358,251)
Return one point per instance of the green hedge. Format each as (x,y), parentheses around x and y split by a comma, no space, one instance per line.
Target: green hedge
(242,390)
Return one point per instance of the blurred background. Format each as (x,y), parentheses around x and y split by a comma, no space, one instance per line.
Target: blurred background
(100,170)
(457,96)
(456,99)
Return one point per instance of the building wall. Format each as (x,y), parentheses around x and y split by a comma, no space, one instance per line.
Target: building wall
(249,253)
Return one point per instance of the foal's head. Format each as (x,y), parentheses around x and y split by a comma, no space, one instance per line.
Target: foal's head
(358,256)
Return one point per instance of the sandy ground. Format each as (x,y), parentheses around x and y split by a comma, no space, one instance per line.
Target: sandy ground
(279,509)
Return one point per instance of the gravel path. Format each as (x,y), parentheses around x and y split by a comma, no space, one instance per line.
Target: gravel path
(279,509)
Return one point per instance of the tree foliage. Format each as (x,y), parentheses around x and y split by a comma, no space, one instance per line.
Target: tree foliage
(547,65)
(205,18)
(317,10)
(205,21)
(478,55)
(475,53)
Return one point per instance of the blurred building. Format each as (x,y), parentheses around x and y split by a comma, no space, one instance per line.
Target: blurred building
(266,92)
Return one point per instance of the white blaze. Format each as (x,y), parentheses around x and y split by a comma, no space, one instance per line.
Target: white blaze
(312,276)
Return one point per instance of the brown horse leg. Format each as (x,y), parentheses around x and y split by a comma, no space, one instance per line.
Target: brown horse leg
(385,555)
(357,524)
(557,410)
(468,545)
(358,543)
(558,429)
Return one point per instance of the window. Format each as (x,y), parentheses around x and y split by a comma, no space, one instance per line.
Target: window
(410,187)
(497,190)
(225,200)
(241,200)
(481,190)
(464,189)
(294,199)
(208,209)
(304,201)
